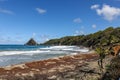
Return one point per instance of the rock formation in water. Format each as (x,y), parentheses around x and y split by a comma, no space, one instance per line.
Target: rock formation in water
(31,42)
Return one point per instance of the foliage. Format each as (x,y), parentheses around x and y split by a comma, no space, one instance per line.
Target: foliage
(107,37)
(101,52)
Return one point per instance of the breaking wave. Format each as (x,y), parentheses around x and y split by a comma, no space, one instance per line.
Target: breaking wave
(10,55)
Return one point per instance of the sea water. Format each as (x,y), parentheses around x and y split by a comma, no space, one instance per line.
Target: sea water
(16,54)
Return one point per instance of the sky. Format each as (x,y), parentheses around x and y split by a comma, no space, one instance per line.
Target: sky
(42,20)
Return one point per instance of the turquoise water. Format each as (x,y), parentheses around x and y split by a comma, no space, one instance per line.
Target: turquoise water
(15,54)
(19,47)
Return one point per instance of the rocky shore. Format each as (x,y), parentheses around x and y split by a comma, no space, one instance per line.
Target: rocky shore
(73,67)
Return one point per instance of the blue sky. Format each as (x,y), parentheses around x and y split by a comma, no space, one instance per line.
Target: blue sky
(46,19)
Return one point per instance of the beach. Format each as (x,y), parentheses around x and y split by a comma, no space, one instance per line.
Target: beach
(73,67)
(58,63)
(59,40)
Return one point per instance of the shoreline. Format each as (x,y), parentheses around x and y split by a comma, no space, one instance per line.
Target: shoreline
(47,69)
(70,55)
(27,54)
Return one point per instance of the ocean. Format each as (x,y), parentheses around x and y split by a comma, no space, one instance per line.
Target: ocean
(16,54)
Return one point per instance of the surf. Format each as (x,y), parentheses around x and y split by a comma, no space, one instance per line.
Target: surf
(14,54)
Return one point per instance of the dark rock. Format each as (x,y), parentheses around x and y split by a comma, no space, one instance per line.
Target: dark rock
(31,42)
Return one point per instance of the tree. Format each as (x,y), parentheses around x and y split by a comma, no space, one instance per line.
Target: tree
(100,50)
(107,37)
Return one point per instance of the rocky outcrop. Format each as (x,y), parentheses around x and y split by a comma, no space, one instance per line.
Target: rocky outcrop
(31,42)
(112,69)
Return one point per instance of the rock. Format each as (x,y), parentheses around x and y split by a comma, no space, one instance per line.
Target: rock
(31,42)
(63,68)
(52,77)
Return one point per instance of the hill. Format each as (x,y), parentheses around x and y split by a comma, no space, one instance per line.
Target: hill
(107,37)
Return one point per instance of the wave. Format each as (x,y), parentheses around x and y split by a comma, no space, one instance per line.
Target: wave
(47,50)
(3,53)
(13,56)
(66,48)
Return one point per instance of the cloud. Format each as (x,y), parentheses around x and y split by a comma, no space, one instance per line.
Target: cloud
(5,11)
(76,32)
(107,12)
(94,26)
(77,20)
(96,6)
(42,38)
(33,35)
(41,11)
(81,32)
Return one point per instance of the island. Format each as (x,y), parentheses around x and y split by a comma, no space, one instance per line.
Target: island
(31,42)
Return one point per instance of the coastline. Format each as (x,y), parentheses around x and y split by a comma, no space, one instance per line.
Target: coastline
(15,54)
(62,68)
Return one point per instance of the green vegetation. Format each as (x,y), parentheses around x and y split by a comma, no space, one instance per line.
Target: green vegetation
(107,37)
(101,41)
(101,53)
(107,66)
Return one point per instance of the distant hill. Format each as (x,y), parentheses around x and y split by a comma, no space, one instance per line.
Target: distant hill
(107,37)
(31,42)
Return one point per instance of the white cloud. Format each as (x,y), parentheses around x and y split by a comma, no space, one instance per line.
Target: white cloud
(6,11)
(41,11)
(76,33)
(43,38)
(108,12)
(77,20)
(96,6)
(94,26)
(33,35)
(81,32)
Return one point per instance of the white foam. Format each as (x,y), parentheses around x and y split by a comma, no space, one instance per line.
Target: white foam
(3,53)
(74,53)
(66,48)
(12,57)
(1,60)
(48,50)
